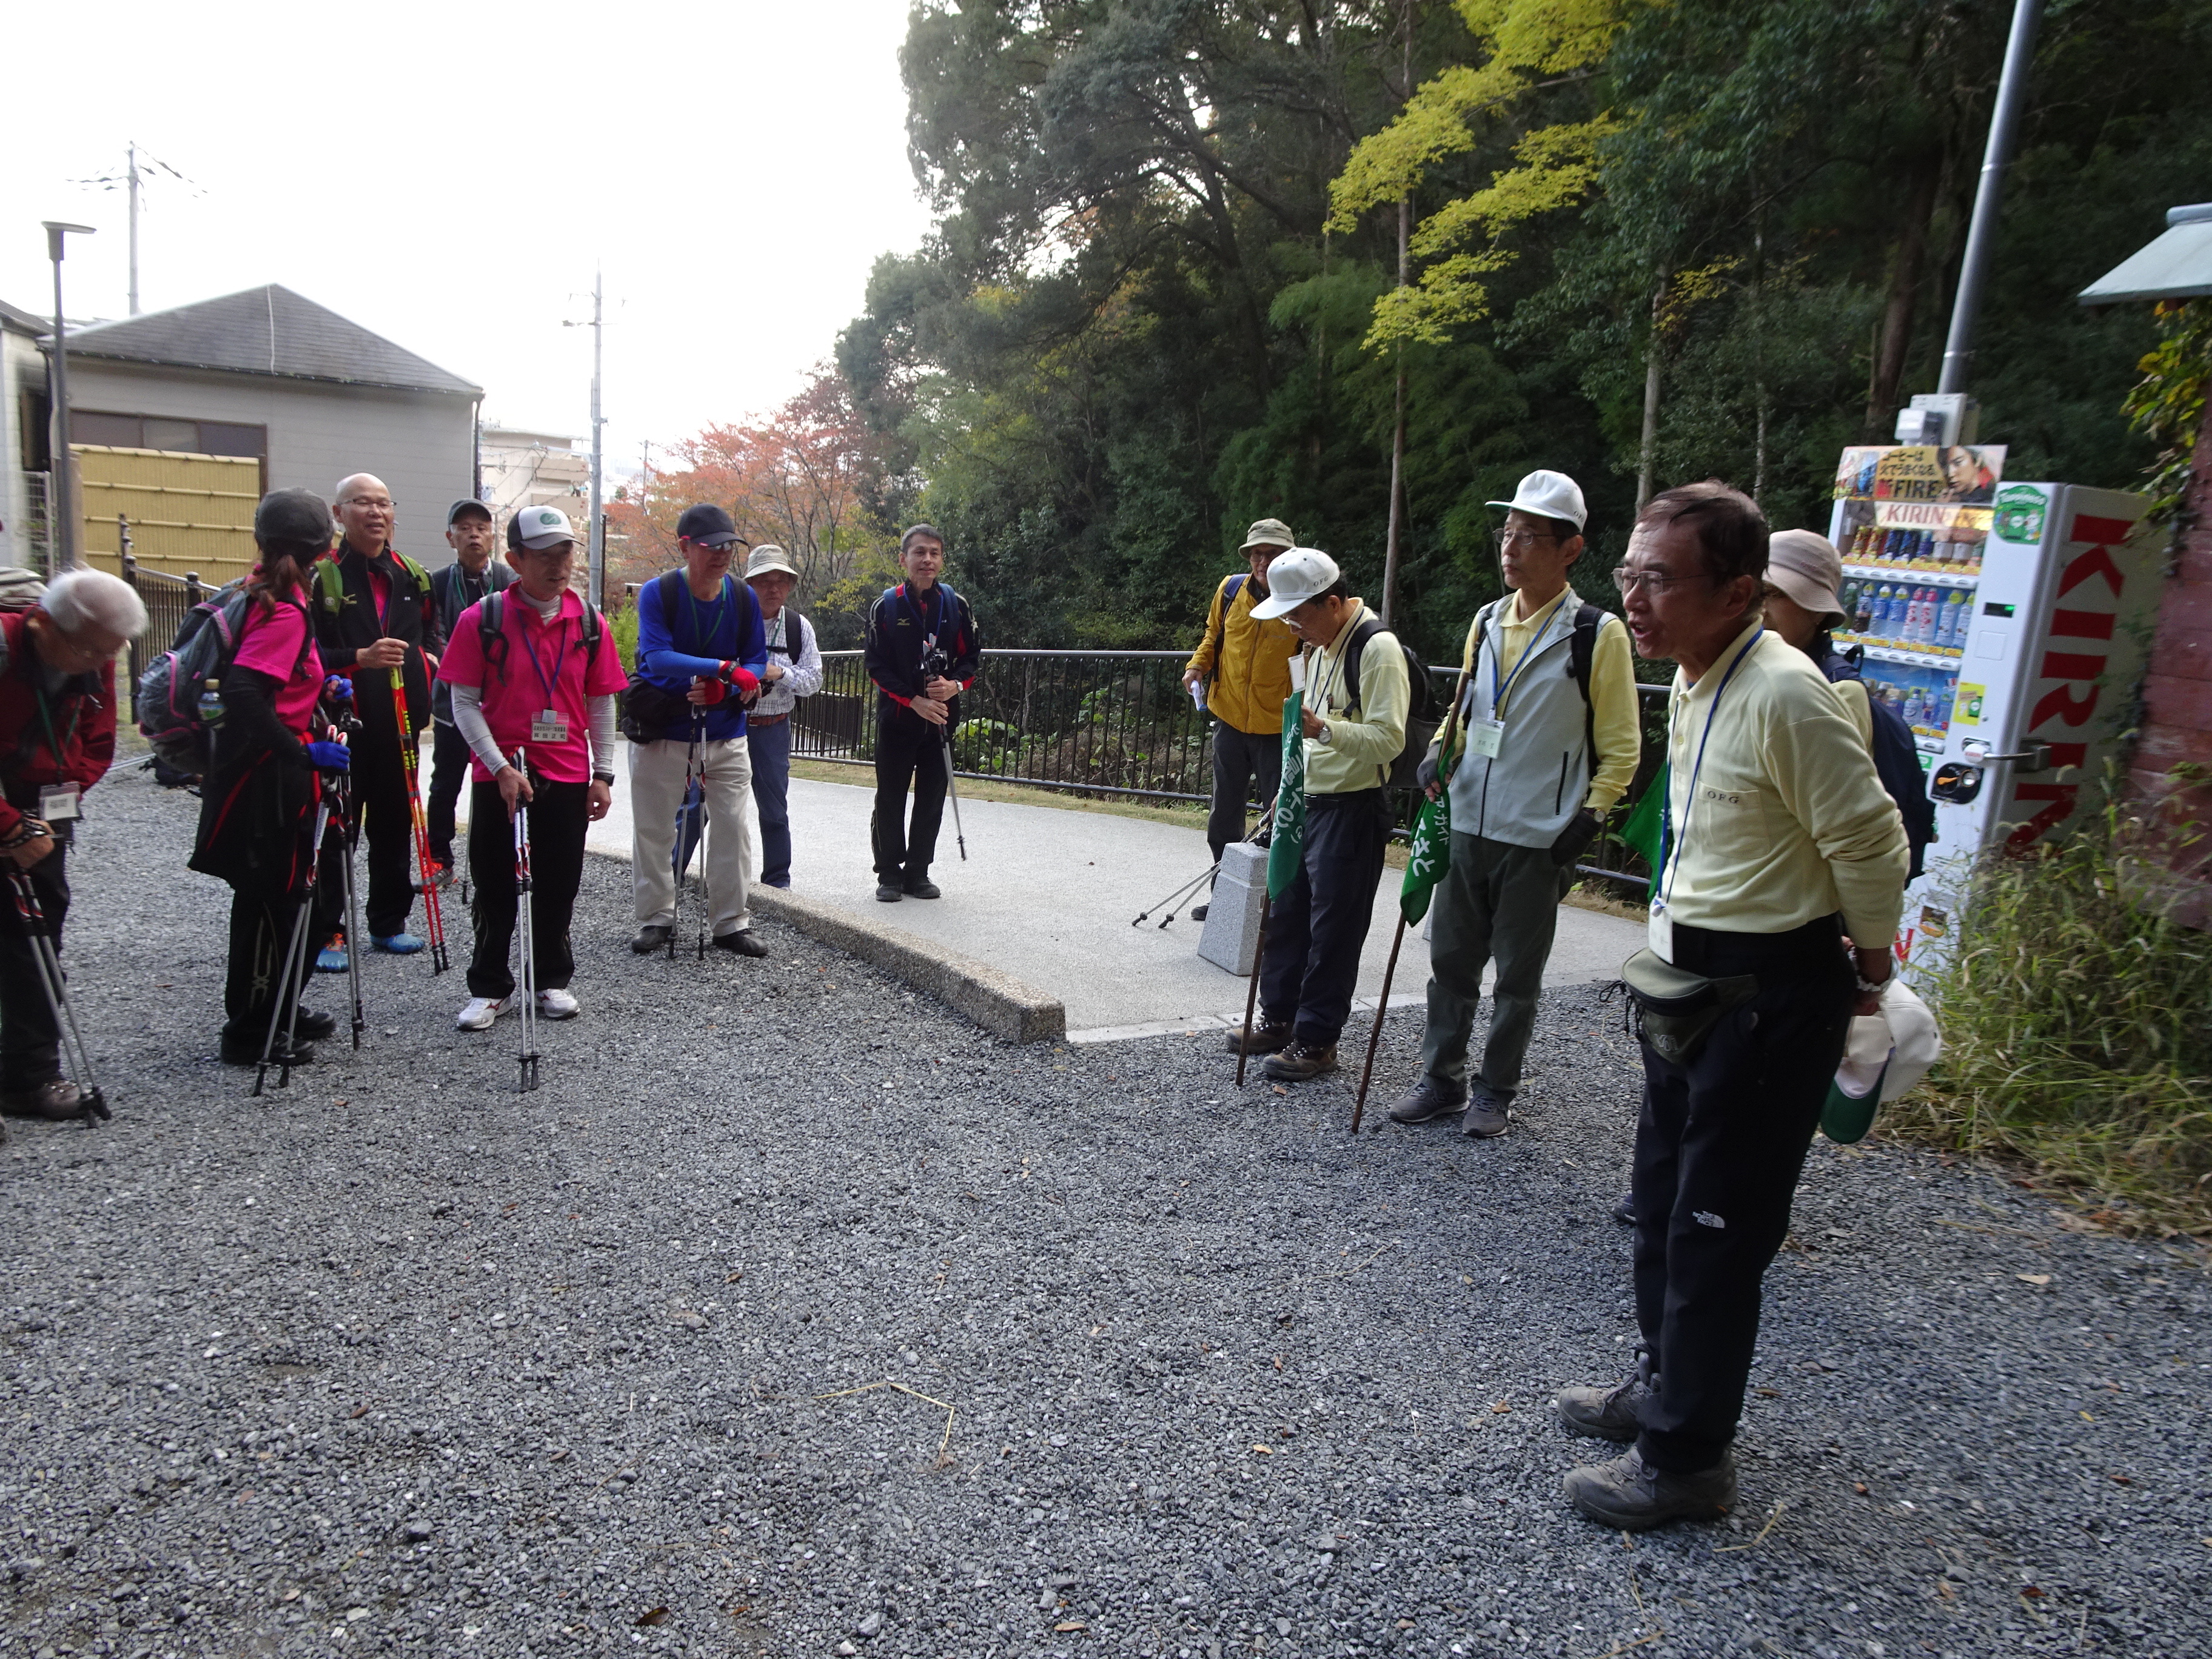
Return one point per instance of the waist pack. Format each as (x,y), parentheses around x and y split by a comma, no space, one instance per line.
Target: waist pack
(1675,1009)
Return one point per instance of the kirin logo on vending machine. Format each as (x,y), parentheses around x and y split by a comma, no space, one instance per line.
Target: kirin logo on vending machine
(2064,714)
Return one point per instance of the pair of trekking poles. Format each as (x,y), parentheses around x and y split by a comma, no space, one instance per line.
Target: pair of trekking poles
(31,916)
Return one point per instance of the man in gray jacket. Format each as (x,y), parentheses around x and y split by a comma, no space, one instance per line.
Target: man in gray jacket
(1547,739)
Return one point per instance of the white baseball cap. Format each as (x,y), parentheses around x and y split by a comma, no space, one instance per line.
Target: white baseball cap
(1295,577)
(538,528)
(1548,496)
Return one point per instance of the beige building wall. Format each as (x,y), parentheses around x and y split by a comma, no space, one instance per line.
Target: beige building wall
(423,445)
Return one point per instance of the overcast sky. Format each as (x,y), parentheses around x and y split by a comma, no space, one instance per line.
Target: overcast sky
(448,176)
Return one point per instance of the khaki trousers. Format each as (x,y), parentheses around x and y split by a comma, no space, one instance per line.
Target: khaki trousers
(656,790)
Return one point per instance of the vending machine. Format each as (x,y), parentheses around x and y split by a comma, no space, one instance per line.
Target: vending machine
(2009,624)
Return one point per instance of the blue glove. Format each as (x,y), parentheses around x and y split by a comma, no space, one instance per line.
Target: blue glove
(329,756)
(338,689)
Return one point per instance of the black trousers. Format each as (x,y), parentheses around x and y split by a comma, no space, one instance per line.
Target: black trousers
(449,770)
(30,1042)
(909,750)
(261,924)
(1719,1145)
(381,806)
(559,815)
(1245,763)
(1317,929)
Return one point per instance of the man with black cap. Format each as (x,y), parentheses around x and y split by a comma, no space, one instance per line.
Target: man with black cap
(1249,660)
(922,652)
(473,574)
(1547,741)
(701,651)
(375,616)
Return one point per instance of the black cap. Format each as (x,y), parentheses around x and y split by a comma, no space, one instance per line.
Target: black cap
(291,517)
(467,504)
(706,524)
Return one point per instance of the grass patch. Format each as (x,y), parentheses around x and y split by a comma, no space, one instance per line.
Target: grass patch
(1188,817)
(2077,1032)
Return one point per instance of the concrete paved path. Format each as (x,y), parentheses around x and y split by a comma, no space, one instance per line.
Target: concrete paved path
(1047,895)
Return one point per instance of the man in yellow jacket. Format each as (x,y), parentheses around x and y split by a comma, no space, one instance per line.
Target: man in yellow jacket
(1248,659)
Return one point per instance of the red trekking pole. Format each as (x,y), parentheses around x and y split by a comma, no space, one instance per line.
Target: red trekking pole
(434,920)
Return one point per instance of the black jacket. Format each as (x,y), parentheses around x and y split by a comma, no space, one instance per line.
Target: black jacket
(900,626)
(409,615)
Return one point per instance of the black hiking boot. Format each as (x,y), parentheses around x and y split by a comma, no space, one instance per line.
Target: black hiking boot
(1608,1413)
(653,936)
(1427,1100)
(1630,1496)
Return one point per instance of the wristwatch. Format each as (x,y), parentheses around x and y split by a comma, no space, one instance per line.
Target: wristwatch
(1321,736)
(607,778)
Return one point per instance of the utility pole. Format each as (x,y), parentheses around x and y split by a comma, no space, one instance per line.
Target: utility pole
(599,537)
(1982,231)
(130,154)
(61,500)
(1398,427)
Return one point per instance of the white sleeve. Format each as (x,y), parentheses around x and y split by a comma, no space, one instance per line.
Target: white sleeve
(602,712)
(806,678)
(468,720)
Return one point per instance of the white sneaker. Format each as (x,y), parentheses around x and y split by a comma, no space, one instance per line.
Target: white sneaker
(555,1005)
(478,1012)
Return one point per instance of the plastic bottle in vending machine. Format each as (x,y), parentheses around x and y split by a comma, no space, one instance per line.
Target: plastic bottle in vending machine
(1931,612)
(1916,618)
(1944,699)
(1877,626)
(1862,618)
(1952,636)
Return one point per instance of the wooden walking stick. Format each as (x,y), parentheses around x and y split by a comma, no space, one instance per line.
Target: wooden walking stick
(1382,1008)
(1252,995)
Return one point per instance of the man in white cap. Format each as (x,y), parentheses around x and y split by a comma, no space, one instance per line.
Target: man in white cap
(1249,661)
(1358,693)
(1546,740)
(794,671)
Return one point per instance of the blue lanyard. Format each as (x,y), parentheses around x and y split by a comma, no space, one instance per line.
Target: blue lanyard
(1499,693)
(702,633)
(1674,864)
(548,681)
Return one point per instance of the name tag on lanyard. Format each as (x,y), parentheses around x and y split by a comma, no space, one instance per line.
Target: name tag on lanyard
(1485,737)
(548,727)
(58,802)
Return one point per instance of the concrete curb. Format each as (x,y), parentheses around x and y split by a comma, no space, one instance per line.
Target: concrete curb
(1005,1007)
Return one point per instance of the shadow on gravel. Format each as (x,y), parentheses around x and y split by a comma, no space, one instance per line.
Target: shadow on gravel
(398,1361)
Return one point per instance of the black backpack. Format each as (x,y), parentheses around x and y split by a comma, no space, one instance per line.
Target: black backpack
(491,631)
(169,715)
(1423,708)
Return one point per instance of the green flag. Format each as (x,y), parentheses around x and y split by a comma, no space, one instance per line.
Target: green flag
(1287,852)
(1427,859)
(1646,828)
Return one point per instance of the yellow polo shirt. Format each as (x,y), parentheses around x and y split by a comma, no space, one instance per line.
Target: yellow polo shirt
(1789,821)
(1360,747)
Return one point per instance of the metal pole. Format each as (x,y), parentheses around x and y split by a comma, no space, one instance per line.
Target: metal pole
(597,543)
(132,153)
(61,515)
(1982,235)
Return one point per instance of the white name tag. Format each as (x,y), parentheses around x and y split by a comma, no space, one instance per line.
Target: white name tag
(1660,933)
(1484,737)
(58,802)
(548,727)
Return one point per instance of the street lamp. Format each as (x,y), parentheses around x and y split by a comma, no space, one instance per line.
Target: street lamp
(62,517)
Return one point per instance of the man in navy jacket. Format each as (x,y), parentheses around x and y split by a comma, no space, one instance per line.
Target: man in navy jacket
(922,653)
(700,648)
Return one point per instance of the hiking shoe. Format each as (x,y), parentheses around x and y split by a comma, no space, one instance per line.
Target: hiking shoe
(1630,1496)
(245,1049)
(441,871)
(1486,1115)
(312,1025)
(889,892)
(557,1003)
(397,944)
(1624,1210)
(1300,1061)
(1198,913)
(478,1013)
(653,936)
(924,887)
(741,943)
(1264,1038)
(331,958)
(1608,1413)
(1427,1100)
(55,1102)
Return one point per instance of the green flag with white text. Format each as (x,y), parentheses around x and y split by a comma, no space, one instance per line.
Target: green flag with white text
(1287,850)
(1646,829)
(1426,859)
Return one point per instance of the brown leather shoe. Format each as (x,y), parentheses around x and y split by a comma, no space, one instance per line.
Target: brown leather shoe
(1261,1039)
(1301,1062)
(56,1102)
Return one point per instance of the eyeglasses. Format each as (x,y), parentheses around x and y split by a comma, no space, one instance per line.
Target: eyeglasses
(1628,581)
(1505,538)
(368,500)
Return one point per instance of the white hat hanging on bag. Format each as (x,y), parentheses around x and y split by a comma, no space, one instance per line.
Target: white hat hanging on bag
(1888,1052)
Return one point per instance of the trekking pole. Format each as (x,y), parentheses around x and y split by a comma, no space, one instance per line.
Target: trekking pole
(953,790)
(32,914)
(526,935)
(285,1010)
(1179,895)
(434,920)
(689,818)
(1252,995)
(1382,1008)
(352,895)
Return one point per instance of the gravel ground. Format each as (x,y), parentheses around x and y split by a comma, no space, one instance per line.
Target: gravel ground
(652,1360)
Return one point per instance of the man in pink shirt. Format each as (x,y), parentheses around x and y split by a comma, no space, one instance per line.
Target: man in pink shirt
(533,672)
